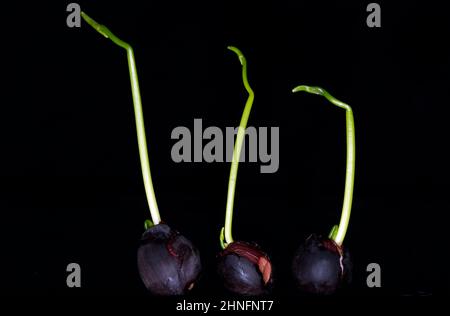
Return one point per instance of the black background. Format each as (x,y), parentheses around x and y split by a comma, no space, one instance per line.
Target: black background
(71,188)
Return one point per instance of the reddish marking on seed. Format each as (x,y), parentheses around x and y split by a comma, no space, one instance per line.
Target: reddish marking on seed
(266,269)
(171,250)
(244,250)
(254,255)
(332,246)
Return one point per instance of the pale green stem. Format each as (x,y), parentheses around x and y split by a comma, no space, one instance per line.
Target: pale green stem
(339,236)
(140,129)
(237,149)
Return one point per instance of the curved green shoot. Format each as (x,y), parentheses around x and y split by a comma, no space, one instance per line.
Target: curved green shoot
(236,152)
(333,232)
(338,233)
(222,236)
(140,129)
(148,224)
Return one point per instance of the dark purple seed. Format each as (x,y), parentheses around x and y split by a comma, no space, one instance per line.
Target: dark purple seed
(320,266)
(168,263)
(245,269)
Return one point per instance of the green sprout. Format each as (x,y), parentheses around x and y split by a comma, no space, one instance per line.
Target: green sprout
(226,231)
(338,231)
(140,128)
